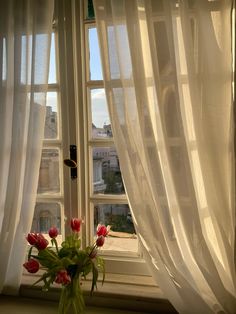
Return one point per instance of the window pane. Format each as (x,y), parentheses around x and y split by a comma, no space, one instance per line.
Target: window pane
(4,60)
(47,215)
(37,75)
(157,6)
(120,63)
(49,181)
(163,50)
(90,10)
(101,125)
(106,171)
(51,122)
(52,65)
(94,55)
(122,235)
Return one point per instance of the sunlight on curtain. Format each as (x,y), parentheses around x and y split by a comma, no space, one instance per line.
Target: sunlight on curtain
(167,69)
(25,34)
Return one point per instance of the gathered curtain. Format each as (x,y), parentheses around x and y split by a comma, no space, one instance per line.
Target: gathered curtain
(25,36)
(167,68)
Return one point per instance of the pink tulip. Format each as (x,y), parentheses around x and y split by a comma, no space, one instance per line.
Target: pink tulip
(53,232)
(32,238)
(75,224)
(100,240)
(63,277)
(102,230)
(32,266)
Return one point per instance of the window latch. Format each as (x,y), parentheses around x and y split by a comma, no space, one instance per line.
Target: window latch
(72,162)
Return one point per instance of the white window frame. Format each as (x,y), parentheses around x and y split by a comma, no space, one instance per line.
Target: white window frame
(55,144)
(116,262)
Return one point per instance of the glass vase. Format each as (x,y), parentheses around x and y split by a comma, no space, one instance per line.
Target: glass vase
(71,298)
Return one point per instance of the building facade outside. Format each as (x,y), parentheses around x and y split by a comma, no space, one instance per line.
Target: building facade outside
(107,179)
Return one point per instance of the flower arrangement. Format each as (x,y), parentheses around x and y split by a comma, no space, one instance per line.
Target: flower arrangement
(68,264)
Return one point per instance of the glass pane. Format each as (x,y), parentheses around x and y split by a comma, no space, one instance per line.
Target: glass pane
(94,55)
(51,122)
(90,13)
(122,236)
(49,181)
(163,52)
(52,65)
(101,125)
(47,215)
(106,171)
(26,59)
(38,44)
(179,166)
(171,114)
(4,60)
(157,6)
(120,63)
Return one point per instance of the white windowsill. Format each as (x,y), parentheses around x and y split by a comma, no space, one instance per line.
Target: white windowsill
(130,293)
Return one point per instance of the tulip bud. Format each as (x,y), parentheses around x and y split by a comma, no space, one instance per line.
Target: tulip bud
(100,240)
(62,277)
(32,238)
(32,266)
(75,224)
(102,230)
(53,232)
(42,243)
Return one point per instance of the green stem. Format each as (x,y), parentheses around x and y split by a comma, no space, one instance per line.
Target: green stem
(30,252)
(56,245)
(94,247)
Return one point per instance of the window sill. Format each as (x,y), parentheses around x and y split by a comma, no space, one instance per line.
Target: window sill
(132,293)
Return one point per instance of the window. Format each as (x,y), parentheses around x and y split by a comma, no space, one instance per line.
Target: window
(107,201)
(77,114)
(50,195)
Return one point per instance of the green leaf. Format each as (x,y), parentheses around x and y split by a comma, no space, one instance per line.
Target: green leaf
(65,244)
(77,243)
(48,258)
(65,262)
(64,252)
(87,268)
(42,278)
(101,267)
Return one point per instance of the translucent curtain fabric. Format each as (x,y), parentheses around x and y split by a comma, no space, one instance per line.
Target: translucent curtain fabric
(25,34)
(167,69)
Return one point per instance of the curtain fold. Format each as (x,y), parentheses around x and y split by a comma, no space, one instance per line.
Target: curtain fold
(167,68)
(25,36)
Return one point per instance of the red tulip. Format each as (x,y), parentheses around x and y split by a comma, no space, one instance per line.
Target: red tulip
(32,266)
(53,232)
(75,224)
(100,240)
(32,238)
(41,243)
(63,277)
(102,230)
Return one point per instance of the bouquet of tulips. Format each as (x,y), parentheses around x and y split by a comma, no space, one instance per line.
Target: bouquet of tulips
(66,265)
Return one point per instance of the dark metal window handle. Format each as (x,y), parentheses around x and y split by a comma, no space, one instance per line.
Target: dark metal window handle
(72,162)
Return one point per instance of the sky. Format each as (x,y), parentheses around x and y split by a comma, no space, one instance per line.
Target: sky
(98,101)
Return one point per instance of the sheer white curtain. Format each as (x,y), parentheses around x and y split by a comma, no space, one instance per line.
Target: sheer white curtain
(25,35)
(168,77)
